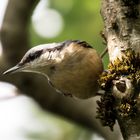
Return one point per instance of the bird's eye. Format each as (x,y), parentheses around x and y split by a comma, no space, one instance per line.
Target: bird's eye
(32,56)
(35,55)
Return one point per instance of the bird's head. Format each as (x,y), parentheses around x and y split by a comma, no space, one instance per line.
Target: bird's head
(38,58)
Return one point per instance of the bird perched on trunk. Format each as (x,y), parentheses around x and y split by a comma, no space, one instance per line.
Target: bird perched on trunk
(72,67)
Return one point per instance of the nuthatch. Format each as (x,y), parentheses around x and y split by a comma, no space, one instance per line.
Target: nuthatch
(72,67)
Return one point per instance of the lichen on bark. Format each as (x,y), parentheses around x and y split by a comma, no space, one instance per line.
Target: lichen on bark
(119,102)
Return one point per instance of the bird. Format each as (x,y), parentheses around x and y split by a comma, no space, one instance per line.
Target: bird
(72,67)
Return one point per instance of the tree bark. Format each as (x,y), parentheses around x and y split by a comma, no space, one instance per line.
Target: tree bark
(122,33)
(15,41)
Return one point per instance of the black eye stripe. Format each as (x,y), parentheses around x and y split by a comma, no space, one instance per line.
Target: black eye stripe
(33,56)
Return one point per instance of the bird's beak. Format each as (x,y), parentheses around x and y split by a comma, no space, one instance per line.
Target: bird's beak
(13,70)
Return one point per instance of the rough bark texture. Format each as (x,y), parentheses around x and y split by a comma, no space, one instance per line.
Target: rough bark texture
(122,33)
(122,26)
(15,40)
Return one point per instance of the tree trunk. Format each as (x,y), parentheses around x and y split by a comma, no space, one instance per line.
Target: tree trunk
(121,81)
